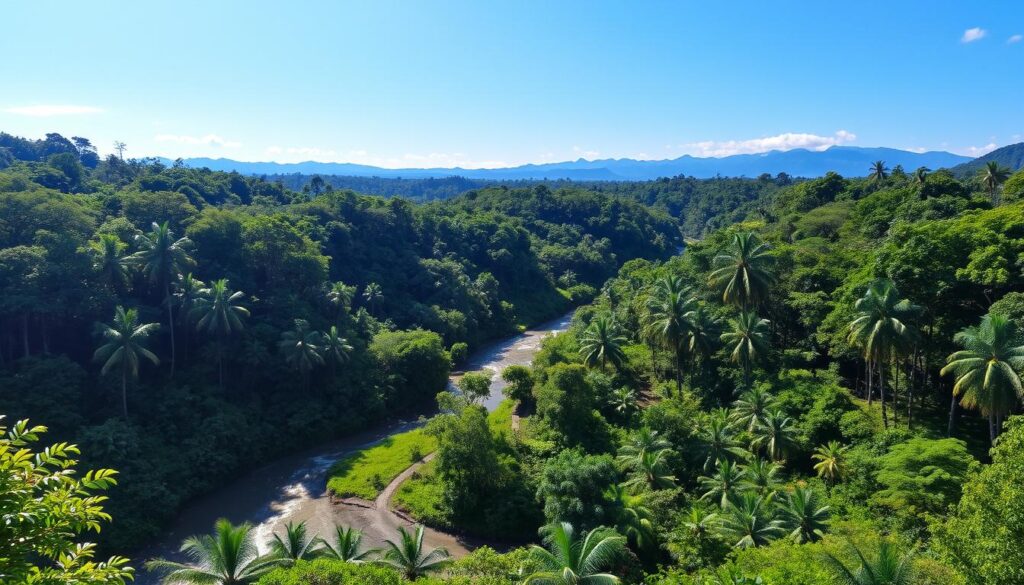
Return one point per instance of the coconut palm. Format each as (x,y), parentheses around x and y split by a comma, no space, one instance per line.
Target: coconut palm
(761,476)
(217,311)
(372,294)
(642,441)
(228,557)
(124,347)
(804,516)
(703,334)
(336,348)
(623,400)
(648,469)
(751,407)
(992,176)
(724,484)
(109,260)
(775,435)
(749,520)
(988,369)
(748,341)
(742,271)
(340,296)
(718,439)
(408,555)
(602,341)
(667,319)
(302,347)
(295,544)
(163,259)
(572,560)
(878,170)
(921,174)
(888,568)
(831,462)
(347,546)
(187,293)
(880,328)
(632,519)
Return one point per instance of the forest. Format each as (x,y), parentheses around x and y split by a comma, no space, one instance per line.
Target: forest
(820,384)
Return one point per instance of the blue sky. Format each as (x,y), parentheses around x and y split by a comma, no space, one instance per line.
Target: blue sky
(413,84)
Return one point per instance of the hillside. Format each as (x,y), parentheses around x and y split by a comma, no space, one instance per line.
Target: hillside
(1011,156)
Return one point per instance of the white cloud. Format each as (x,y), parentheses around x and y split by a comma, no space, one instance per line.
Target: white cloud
(208,140)
(48,110)
(586,154)
(977,151)
(1014,39)
(973,34)
(786,141)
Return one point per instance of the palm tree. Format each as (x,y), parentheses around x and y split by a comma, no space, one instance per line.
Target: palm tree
(642,441)
(340,296)
(803,516)
(667,320)
(704,331)
(632,519)
(335,348)
(187,293)
(217,311)
(921,174)
(724,484)
(571,560)
(372,294)
(742,271)
(751,407)
(125,345)
(775,435)
(302,348)
(749,520)
(602,341)
(761,476)
(878,171)
(163,259)
(408,556)
(748,340)
(109,260)
(346,546)
(228,557)
(295,544)
(888,568)
(992,176)
(831,462)
(623,400)
(718,439)
(880,328)
(648,469)
(988,369)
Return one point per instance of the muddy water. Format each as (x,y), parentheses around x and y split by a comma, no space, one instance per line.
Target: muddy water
(292,489)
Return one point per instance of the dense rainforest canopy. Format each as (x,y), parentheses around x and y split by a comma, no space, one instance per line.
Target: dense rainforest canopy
(808,393)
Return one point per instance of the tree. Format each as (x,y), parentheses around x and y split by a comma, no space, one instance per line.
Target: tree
(921,476)
(163,259)
(831,462)
(573,486)
(227,557)
(125,347)
(623,400)
(803,515)
(761,476)
(602,341)
(749,410)
(775,435)
(46,508)
(633,520)
(648,469)
(748,341)
(880,328)
(475,386)
(667,320)
(408,555)
(467,461)
(340,296)
(921,174)
(988,369)
(992,176)
(295,544)
(109,260)
(749,520)
(336,348)
(218,311)
(879,171)
(187,294)
(742,271)
(888,568)
(724,484)
(347,546)
(301,347)
(372,295)
(573,560)
(520,382)
(720,443)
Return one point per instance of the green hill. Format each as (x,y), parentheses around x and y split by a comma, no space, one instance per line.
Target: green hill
(1008,156)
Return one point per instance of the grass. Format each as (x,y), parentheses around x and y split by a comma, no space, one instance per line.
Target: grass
(500,421)
(422,497)
(365,473)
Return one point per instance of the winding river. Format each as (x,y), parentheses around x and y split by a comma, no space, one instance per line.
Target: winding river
(292,489)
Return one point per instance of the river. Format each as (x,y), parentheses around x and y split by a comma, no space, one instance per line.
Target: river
(293,489)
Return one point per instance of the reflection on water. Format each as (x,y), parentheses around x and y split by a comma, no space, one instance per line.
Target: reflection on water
(292,488)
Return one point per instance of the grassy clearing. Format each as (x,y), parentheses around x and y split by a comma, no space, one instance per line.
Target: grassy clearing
(365,473)
(500,421)
(422,497)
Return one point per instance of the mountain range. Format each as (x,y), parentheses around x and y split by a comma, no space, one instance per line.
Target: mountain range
(851,161)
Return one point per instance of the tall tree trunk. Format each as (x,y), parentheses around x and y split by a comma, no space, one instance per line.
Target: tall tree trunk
(170,321)
(881,395)
(220,363)
(24,333)
(869,366)
(124,389)
(896,392)
(679,375)
(992,428)
(952,415)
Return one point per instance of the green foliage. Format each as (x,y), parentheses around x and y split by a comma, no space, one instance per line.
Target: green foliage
(520,383)
(566,404)
(331,572)
(921,476)
(573,488)
(415,361)
(364,473)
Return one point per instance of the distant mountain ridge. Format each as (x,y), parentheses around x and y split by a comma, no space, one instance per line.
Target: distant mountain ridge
(851,161)
(1011,156)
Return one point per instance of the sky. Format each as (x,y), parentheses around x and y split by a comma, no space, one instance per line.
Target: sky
(490,84)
